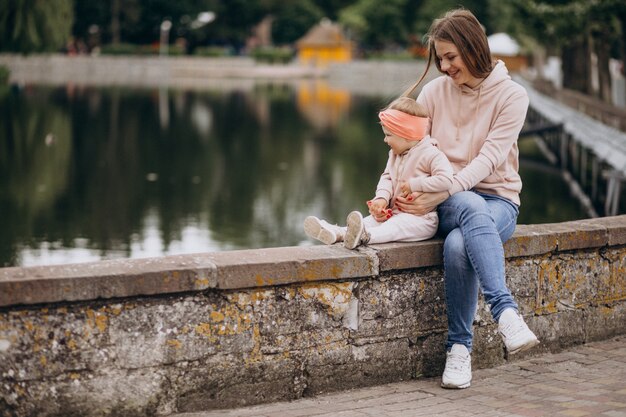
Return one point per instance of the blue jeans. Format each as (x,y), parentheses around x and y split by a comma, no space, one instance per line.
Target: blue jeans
(475,225)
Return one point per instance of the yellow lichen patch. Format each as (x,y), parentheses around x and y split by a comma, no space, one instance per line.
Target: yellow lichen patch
(217,316)
(42,360)
(74,375)
(607,311)
(19,390)
(204,329)
(71,344)
(335,297)
(260,295)
(29,326)
(97,320)
(177,344)
(316,270)
(255,354)
(202,282)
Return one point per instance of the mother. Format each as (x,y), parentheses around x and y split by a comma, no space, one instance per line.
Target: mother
(476,113)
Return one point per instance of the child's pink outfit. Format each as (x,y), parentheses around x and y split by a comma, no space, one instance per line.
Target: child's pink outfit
(426,169)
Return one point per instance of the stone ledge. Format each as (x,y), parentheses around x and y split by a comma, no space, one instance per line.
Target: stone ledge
(273,266)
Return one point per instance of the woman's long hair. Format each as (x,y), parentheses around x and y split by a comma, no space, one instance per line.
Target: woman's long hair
(460,27)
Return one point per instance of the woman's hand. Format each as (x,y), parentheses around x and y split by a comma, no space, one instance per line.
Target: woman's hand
(421,203)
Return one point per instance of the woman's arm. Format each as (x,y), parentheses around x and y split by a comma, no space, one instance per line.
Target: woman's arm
(441,173)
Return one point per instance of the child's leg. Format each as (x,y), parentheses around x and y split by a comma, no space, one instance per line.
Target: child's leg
(323,231)
(402,227)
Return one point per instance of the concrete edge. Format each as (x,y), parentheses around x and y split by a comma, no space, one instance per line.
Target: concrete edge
(255,268)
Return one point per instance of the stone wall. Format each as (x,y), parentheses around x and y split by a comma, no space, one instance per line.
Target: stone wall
(217,330)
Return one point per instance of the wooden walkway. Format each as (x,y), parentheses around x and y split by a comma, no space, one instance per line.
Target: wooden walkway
(591,154)
(605,142)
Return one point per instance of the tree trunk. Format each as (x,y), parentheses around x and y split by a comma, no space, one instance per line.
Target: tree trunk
(576,65)
(602,48)
(621,15)
(115,22)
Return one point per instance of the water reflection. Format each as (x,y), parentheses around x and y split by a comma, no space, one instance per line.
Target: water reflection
(96,173)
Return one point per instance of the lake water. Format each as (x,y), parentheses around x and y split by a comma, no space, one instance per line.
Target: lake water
(98,173)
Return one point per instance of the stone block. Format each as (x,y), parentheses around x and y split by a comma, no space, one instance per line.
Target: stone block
(559,330)
(569,282)
(530,240)
(605,321)
(105,279)
(615,225)
(521,278)
(278,266)
(398,256)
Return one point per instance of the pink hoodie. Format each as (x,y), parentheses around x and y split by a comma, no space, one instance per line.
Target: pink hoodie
(477,129)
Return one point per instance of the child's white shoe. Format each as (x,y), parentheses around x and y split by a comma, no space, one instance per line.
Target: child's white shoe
(355,234)
(322,230)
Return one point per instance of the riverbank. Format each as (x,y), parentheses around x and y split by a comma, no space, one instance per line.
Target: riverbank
(361,77)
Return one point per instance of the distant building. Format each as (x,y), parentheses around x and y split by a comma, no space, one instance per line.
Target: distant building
(505,48)
(323,44)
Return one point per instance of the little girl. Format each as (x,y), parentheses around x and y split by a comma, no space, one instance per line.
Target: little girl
(415,164)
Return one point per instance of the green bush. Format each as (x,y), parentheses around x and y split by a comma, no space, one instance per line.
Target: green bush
(389,55)
(132,49)
(212,51)
(273,55)
(4,75)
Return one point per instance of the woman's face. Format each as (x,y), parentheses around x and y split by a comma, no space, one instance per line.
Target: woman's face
(452,64)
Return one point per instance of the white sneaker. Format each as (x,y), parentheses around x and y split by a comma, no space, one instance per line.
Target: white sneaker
(355,234)
(515,333)
(322,230)
(458,372)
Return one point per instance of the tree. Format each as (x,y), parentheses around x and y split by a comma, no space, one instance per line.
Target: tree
(293,19)
(578,28)
(377,24)
(35,25)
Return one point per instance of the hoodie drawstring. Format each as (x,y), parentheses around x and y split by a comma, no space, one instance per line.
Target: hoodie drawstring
(469,155)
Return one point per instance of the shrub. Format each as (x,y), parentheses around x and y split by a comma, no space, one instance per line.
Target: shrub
(132,49)
(273,55)
(212,51)
(4,75)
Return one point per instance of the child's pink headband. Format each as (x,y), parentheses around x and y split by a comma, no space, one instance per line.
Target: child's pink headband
(404,125)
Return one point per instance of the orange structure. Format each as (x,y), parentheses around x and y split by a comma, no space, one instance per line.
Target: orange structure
(323,44)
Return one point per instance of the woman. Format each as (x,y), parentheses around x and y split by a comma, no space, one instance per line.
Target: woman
(476,113)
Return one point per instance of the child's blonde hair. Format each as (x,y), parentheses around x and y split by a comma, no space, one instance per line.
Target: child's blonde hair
(409,106)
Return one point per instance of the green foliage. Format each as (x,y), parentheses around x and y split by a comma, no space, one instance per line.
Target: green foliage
(212,51)
(35,26)
(273,55)
(4,75)
(293,19)
(132,49)
(376,24)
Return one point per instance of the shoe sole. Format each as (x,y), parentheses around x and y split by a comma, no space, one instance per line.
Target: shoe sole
(524,347)
(355,229)
(313,229)
(452,386)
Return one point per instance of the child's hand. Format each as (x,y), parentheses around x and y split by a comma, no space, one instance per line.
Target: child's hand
(405,188)
(378,209)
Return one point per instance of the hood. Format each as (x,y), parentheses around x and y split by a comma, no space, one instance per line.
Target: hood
(498,75)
